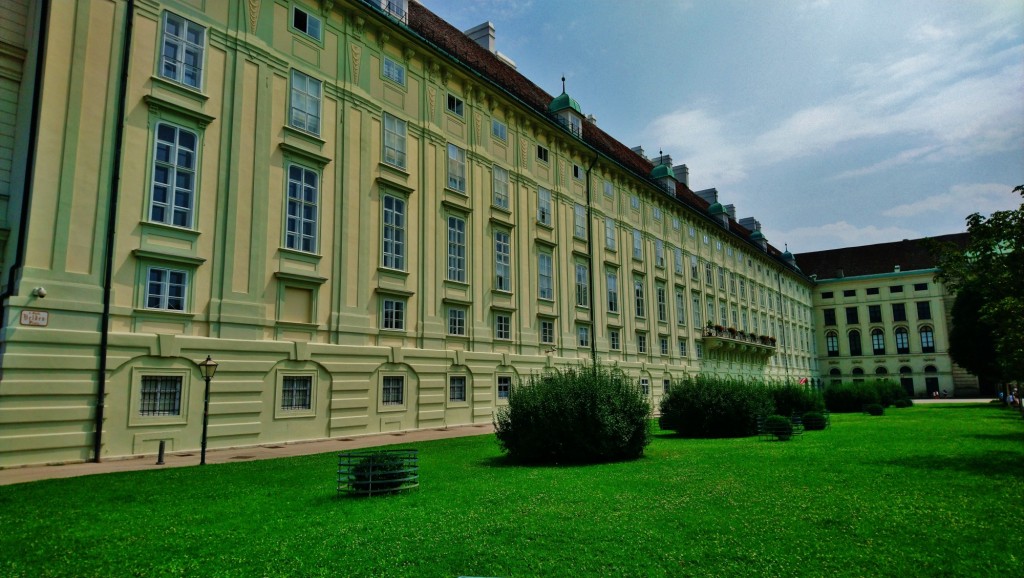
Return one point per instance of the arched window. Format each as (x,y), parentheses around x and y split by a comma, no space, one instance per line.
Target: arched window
(930,369)
(878,342)
(927,340)
(907,381)
(858,375)
(931,381)
(832,344)
(834,376)
(902,340)
(881,371)
(854,338)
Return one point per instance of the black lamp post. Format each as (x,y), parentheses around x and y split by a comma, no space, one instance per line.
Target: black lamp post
(208,368)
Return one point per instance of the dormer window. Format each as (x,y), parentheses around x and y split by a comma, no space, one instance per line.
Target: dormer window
(567,112)
(397,8)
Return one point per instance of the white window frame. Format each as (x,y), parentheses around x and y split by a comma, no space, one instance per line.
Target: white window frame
(395,138)
(456,249)
(614,342)
(456,168)
(612,280)
(609,233)
(639,301)
(393,232)
(304,102)
(392,313)
(544,215)
(638,247)
(543,154)
(456,105)
(547,331)
(173,163)
(504,386)
(500,185)
(659,253)
(499,130)
(166,289)
(189,49)
(545,276)
(392,70)
(456,321)
(503,261)
(392,391)
(582,285)
(579,221)
(503,326)
(582,335)
(458,388)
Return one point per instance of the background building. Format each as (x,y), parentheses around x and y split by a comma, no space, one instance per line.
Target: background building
(371,220)
(880,313)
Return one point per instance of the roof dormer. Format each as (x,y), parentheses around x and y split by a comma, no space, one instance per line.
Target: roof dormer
(567,111)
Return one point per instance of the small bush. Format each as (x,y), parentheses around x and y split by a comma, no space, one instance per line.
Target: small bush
(378,472)
(903,402)
(814,420)
(793,399)
(578,415)
(712,407)
(779,426)
(889,392)
(849,397)
(874,409)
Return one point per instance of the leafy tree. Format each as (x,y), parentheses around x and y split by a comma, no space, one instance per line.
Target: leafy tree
(988,277)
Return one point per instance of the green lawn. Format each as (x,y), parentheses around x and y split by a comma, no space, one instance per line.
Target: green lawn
(931,490)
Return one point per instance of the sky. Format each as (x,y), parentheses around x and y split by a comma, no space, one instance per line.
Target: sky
(835,123)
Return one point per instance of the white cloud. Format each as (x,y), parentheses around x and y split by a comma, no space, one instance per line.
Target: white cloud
(983,198)
(697,138)
(905,157)
(838,234)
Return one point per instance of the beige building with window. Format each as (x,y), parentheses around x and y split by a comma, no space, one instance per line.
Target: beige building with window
(370,220)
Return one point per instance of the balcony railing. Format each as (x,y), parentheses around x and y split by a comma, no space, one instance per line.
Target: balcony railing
(728,338)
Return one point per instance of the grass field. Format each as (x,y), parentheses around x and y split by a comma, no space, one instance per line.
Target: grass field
(932,490)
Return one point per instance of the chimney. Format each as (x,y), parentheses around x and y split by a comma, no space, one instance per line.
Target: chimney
(731,209)
(662,160)
(840,274)
(483,34)
(750,223)
(682,174)
(709,195)
(639,150)
(592,119)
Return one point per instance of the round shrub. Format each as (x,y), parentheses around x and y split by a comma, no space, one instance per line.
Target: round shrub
(378,472)
(889,392)
(779,426)
(813,421)
(713,407)
(792,399)
(579,415)
(903,402)
(849,397)
(874,409)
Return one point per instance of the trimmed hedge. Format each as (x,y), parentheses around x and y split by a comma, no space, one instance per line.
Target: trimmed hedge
(790,399)
(874,409)
(579,415)
(904,402)
(814,420)
(852,397)
(779,426)
(714,407)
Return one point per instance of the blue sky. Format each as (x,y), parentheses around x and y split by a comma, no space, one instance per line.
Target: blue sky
(834,123)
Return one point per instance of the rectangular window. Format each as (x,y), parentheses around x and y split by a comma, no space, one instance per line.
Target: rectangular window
(499,130)
(582,285)
(827,295)
(656,213)
(659,253)
(899,312)
(634,202)
(545,289)
(165,289)
(393,71)
(547,331)
(393,245)
(456,249)
(456,168)
(743,289)
(609,233)
(878,342)
(456,321)
(682,348)
(580,221)
(160,395)
(694,273)
(393,314)
(455,105)
(896,289)
(638,298)
(721,278)
(678,255)
(709,276)
(181,57)
(394,141)
(663,343)
(612,279)
(393,390)
(583,335)
(830,316)
(638,248)
(577,171)
(851,316)
(680,309)
(502,261)
(542,153)
(662,302)
(305,103)
(500,187)
(871,291)
(849,293)
(544,206)
(174,176)
(695,309)
(875,313)
(502,326)
(608,189)
(732,283)
(613,340)
(675,223)
(698,349)
(307,24)
(457,388)
(645,385)
(641,343)
(920,286)
(303,194)
(924,310)
(504,386)
(297,392)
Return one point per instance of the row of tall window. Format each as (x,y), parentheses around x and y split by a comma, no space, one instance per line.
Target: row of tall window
(878,346)
(899,313)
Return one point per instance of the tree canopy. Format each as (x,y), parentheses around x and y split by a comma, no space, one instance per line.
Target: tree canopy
(988,277)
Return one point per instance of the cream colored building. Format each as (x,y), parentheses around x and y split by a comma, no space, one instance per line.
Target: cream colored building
(370,221)
(881,314)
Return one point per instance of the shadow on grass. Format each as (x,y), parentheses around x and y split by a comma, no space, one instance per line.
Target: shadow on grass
(991,464)
(506,461)
(1003,437)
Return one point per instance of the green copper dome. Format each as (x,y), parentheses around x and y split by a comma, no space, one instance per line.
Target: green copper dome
(716,209)
(564,101)
(662,171)
(756,236)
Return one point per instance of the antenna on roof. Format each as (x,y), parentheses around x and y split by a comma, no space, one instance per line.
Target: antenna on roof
(563,83)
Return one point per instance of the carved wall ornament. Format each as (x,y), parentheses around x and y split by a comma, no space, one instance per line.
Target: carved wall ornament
(254,15)
(408,53)
(432,97)
(356,52)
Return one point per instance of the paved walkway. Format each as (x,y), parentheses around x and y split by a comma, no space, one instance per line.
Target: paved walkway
(221,456)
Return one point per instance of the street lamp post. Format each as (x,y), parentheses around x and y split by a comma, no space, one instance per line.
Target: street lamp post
(208,368)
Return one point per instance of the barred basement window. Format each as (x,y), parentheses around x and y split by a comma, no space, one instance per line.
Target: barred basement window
(296,392)
(393,390)
(161,395)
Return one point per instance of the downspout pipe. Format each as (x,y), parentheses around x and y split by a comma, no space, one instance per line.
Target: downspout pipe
(30,159)
(108,252)
(590,273)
